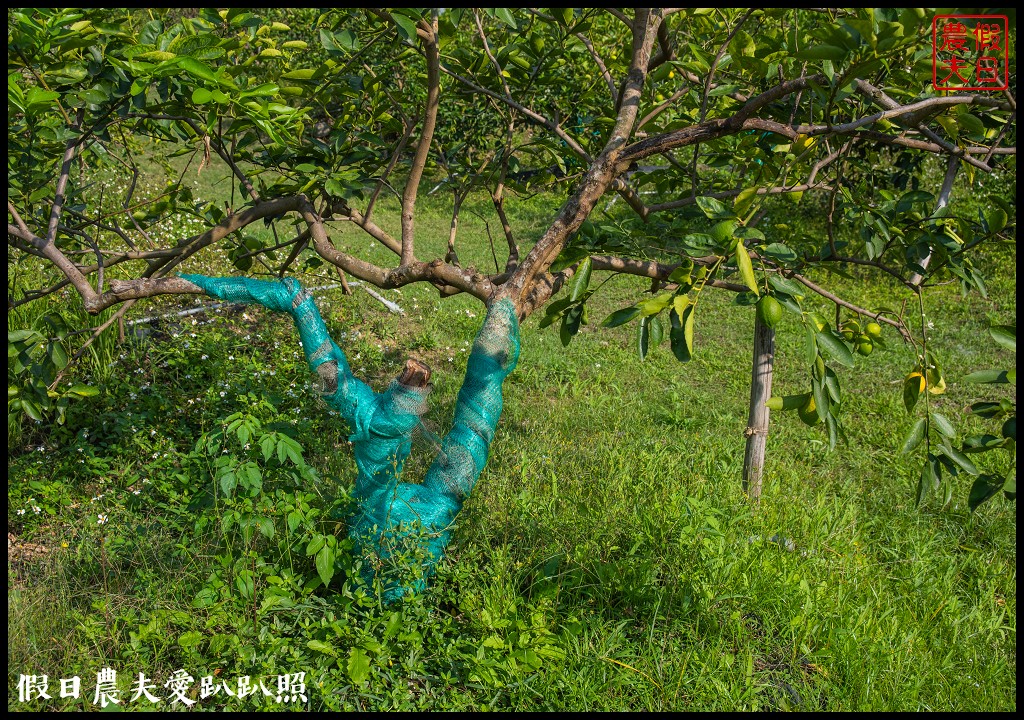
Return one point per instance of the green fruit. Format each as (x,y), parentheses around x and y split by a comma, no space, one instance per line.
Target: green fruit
(769,311)
(874,329)
(1010,428)
(865,348)
(847,334)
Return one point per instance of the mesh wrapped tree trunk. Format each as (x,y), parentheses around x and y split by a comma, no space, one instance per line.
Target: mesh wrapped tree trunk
(392,520)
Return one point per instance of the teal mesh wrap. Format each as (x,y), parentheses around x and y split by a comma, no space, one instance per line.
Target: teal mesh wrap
(392,516)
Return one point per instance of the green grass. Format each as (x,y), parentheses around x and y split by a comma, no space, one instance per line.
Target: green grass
(606,561)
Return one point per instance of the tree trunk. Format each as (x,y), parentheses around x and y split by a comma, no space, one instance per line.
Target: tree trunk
(757,419)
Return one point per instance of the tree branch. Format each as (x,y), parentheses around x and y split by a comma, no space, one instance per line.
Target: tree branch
(419,159)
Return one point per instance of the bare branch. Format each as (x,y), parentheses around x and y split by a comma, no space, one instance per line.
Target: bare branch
(848,305)
(419,159)
(520,287)
(605,73)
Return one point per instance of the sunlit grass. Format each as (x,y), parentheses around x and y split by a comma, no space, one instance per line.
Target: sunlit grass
(607,559)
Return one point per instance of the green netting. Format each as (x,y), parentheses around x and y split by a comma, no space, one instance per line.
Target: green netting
(393,517)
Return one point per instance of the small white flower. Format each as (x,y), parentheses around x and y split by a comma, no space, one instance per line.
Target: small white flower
(36,509)
(102,519)
(231,357)
(21,511)
(136,492)
(204,357)
(222,393)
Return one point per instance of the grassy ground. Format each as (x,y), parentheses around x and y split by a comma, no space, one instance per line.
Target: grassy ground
(607,559)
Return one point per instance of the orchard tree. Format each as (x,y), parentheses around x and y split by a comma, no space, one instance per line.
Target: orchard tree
(696,119)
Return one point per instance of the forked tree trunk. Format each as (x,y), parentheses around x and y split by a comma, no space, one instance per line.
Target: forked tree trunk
(757,418)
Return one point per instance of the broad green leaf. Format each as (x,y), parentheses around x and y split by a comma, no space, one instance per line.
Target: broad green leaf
(620,317)
(960,459)
(996,219)
(197,69)
(228,481)
(810,345)
(832,385)
(913,386)
(915,436)
(315,545)
(742,202)
(201,96)
(788,402)
(263,90)
(582,281)
(325,563)
(746,268)
(835,347)
(929,480)
(984,488)
(989,376)
(657,330)
(783,253)
(406,26)
(322,647)
(1005,335)
(655,305)
(643,336)
(82,390)
(713,208)
(822,52)
(821,400)
(943,425)
(358,660)
(303,74)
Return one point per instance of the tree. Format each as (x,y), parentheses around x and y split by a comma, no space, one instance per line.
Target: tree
(715,114)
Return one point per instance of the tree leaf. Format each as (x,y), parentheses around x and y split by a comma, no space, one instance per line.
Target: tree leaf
(620,317)
(197,69)
(746,268)
(930,476)
(943,425)
(582,279)
(82,390)
(643,336)
(985,487)
(714,209)
(822,52)
(406,26)
(788,402)
(915,436)
(960,459)
(1005,335)
(835,347)
(913,385)
(988,376)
